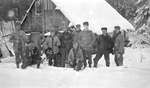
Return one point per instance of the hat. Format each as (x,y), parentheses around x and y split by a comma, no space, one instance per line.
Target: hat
(78,26)
(72,26)
(104,28)
(117,27)
(86,23)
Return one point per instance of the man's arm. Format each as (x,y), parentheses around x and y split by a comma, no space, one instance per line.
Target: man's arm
(81,55)
(93,39)
(57,42)
(70,56)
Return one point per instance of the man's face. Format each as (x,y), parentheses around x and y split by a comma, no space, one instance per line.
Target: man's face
(86,27)
(104,32)
(117,30)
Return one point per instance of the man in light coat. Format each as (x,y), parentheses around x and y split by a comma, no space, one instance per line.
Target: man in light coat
(75,57)
(53,42)
(118,39)
(86,39)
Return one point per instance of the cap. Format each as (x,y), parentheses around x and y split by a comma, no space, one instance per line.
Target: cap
(78,25)
(104,28)
(118,27)
(86,23)
(72,26)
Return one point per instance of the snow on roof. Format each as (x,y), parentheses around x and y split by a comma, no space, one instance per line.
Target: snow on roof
(97,12)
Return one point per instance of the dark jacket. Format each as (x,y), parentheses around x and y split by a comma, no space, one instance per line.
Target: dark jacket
(19,39)
(66,40)
(105,43)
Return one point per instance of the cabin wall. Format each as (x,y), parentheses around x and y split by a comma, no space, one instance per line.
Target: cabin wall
(47,19)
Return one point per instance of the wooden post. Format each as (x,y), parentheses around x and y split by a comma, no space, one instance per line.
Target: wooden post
(43,21)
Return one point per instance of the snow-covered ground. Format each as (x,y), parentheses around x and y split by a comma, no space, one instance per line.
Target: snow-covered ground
(135,74)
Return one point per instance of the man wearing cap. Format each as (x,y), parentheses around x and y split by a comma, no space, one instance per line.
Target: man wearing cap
(78,28)
(118,39)
(19,39)
(86,39)
(76,33)
(53,42)
(105,47)
(66,44)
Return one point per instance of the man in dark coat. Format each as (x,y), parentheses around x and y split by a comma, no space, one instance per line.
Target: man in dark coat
(66,44)
(105,47)
(19,39)
(32,55)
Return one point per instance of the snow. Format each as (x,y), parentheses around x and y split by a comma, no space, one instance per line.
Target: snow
(97,12)
(135,74)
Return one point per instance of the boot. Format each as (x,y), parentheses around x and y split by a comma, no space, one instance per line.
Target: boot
(23,66)
(38,65)
(95,66)
(50,63)
(95,63)
(77,68)
(17,64)
(85,64)
(107,65)
(90,65)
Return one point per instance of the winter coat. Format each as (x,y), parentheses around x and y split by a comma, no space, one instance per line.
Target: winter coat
(118,43)
(86,40)
(36,38)
(66,40)
(75,55)
(52,42)
(19,39)
(76,36)
(105,43)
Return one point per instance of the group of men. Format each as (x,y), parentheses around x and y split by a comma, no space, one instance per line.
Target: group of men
(72,48)
(108,44)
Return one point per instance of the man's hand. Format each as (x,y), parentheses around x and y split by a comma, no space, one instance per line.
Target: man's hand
(70,62)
